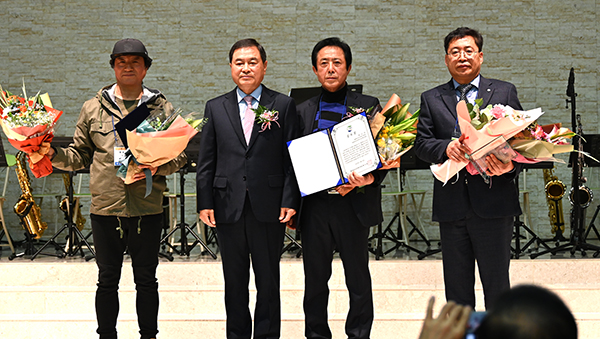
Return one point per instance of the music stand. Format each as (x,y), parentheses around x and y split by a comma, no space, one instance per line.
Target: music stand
(409,161)
(293,245)
(191,151)
(518,224)
(304,93)
(75,239)
(4,230)
(591,145)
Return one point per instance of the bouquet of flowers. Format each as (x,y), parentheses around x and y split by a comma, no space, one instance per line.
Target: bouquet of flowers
(480,128)
(146,144)
(395,131)
(540,143)
(27,123)
(535,143)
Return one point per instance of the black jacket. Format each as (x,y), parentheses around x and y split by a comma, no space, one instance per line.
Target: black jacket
(434,131)
(228,168)
(366,202)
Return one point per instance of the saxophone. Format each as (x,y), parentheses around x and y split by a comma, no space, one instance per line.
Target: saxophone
(65,206)
(555,190)
(26,208)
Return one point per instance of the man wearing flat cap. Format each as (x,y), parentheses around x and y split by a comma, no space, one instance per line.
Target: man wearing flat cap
(122,219)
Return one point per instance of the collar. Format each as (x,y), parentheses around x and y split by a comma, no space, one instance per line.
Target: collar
(338,96)
(146,94)
(255,95)
(475,82)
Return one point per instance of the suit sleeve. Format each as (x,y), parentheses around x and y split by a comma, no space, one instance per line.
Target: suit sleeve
(205,170)
(513,99)
(428,145)
(291,192)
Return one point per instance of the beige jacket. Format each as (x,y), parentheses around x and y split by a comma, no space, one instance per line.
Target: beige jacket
(93,146)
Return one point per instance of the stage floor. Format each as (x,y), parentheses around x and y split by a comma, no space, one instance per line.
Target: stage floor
(52,297)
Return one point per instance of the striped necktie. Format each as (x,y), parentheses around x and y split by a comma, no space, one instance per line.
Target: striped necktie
(464,89)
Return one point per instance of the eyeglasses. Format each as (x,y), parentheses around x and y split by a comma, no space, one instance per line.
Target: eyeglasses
(456,53)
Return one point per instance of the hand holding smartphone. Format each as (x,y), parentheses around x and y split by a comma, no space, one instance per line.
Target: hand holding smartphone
(475,319)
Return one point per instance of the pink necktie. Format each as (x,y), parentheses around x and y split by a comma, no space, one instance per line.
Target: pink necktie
(248,118)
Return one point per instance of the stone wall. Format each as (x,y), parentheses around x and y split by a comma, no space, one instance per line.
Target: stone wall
(63,46)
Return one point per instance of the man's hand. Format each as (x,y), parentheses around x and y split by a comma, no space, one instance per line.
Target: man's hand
(456,150)
(355,180)
(497,167)
(139,174)
(292,224)
(286,214)
(450,324)
(344,189)
(208,217)
(45,149)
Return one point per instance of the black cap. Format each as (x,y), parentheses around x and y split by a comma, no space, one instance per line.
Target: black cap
(130,47)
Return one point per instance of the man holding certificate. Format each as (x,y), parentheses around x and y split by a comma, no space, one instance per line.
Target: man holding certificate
(476,218)
(337,219)
(247,190)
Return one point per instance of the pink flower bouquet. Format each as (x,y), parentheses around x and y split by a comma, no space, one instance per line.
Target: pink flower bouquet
(503,121)
(539,143)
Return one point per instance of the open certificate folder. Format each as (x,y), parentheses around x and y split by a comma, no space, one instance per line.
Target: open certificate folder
(324,159)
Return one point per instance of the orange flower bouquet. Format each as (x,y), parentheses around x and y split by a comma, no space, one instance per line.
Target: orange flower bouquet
(147,142)
(27,123)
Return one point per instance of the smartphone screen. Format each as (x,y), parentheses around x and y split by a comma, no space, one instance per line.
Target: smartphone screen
(474,320)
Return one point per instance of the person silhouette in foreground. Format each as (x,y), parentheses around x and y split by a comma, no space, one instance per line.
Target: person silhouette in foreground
(523,312)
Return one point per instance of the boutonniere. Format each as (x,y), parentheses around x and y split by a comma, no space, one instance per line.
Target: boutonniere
(355,111)
(265,117)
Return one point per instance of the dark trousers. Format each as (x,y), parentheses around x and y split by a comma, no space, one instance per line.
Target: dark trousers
(140,236)
(486,241)
(249,240)
(329,223)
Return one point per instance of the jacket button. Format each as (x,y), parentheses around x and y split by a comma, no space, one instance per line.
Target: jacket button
(244,178)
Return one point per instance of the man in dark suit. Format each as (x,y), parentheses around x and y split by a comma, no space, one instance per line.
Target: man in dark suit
(476,219)
(247,190)
(337,219)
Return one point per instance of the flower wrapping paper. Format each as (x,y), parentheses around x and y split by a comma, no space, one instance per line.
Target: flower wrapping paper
(158,148)
(474,139)
(28,139)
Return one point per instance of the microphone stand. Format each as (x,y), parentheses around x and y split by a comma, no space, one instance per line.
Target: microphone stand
(577,239)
